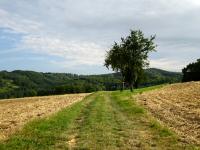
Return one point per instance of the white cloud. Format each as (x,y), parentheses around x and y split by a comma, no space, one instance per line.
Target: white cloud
(167,64)
(75,30)
(76,52)
(18,24)
(194,3)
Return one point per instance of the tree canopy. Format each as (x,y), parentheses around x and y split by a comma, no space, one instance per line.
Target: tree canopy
(29,83)
(192,72)
(130,57)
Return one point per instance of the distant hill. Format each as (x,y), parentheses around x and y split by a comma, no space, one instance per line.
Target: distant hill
(29,83)
(158,76)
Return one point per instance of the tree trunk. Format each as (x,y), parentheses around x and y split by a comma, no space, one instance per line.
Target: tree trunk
(136,85)
(122,86)
(136,82)
(131,87)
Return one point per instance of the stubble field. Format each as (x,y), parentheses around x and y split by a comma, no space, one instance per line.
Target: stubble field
(14,113)
(178,107)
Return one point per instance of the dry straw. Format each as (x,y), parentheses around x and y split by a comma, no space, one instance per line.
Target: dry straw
(14,113)
(177,106)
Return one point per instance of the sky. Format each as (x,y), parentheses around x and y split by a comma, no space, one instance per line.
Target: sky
(73,35)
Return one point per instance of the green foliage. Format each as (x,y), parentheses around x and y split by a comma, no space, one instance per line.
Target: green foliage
(192,72)
(28,83)
(129,57)
(157,76)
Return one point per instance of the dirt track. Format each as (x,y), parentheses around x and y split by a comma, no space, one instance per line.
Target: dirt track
(14,113)
(177,106)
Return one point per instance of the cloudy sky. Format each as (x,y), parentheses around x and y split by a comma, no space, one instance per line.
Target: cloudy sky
(73,35)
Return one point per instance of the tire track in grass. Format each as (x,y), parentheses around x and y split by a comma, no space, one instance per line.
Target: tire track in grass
(100,126)
(67,139)
(114,121)
(141,130)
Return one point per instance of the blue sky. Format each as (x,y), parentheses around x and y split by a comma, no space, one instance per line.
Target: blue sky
(73,36)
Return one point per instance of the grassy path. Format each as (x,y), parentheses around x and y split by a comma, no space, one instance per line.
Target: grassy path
(114,121)
(104,120)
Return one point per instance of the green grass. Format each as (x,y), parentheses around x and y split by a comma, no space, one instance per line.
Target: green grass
(104,120)
(43,133)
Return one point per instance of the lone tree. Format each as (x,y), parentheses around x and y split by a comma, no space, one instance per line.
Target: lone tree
(130,57)
(192,72)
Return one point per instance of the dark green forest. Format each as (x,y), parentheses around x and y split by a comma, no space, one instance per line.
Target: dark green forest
(192,72)
(19,83)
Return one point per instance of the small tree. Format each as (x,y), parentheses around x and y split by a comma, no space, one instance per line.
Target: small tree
(130,57)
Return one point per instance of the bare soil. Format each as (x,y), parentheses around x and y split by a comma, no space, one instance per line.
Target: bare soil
(178,107)
(14,113)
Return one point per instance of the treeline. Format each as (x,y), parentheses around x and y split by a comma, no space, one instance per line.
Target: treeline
(157,76)
(192,72)
(29,83)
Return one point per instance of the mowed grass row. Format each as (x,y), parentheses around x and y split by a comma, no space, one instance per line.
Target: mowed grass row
(104,120)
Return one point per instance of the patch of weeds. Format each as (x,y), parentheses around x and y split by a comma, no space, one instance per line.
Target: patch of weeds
(163,131)
(127,104)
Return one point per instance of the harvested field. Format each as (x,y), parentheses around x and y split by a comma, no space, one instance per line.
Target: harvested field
(178,107)
(14,113)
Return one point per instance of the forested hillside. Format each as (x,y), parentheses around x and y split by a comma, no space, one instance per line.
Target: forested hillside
(29,83)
